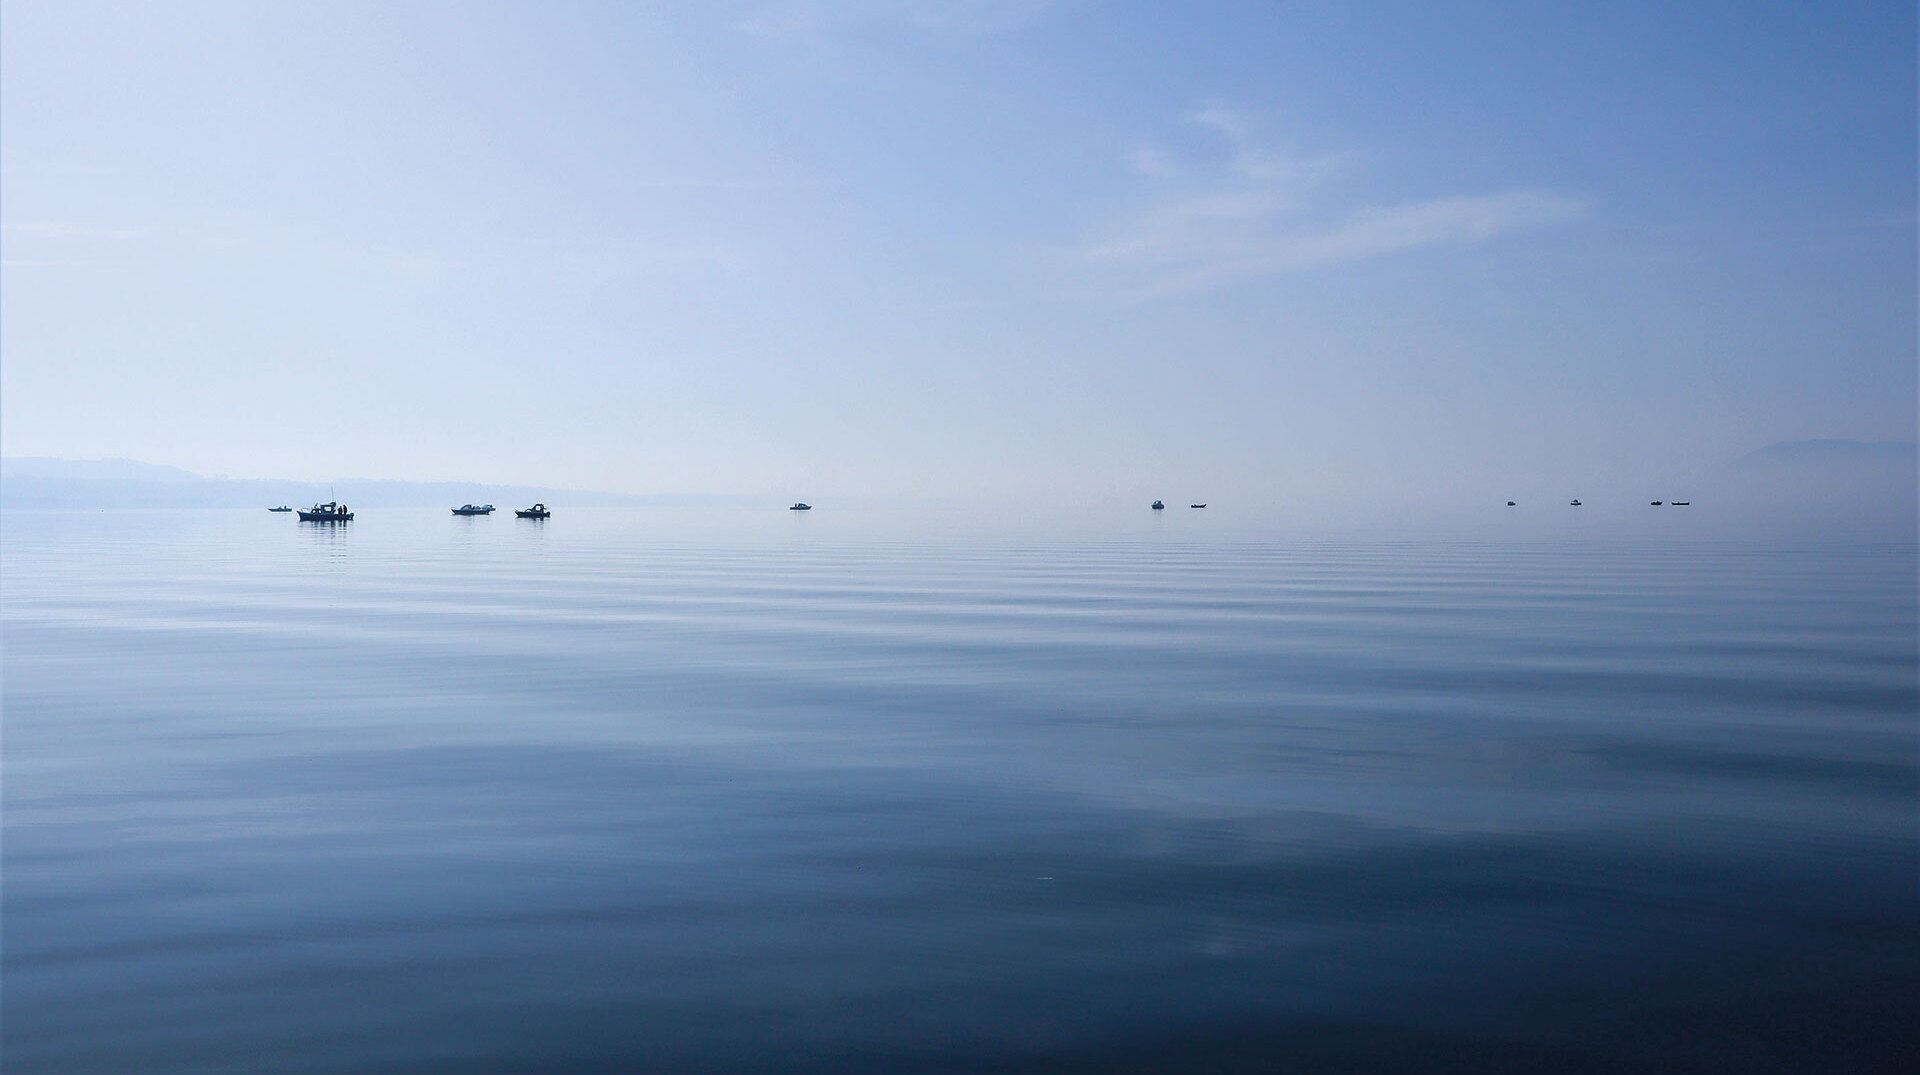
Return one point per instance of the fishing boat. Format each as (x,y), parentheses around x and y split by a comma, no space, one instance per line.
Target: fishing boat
(474,509)
(1196,505)
(1682,503)
(1574,502)
(538,511)
(1656,503)
(801,506)
(1157,506)
(1509,503)
(329,512)
(282,507)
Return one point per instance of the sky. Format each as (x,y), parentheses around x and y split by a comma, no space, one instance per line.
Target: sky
(984,248)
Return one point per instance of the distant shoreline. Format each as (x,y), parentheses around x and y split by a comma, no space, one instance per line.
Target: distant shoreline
(43,482)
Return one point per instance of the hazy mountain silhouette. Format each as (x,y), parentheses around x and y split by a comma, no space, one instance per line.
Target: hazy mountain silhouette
(40,482)
(1836,455)
(1833,484)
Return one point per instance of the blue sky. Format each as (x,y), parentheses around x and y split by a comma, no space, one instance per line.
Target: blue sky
(1258,250)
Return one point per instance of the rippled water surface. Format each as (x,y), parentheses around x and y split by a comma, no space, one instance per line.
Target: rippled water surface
(720,790)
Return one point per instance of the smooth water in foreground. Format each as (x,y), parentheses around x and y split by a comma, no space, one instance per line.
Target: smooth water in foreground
(719,790)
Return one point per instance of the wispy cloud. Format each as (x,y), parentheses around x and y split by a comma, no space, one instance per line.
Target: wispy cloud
(819,22)
(425,260)
(1269,210)
(75,231)
(72,244)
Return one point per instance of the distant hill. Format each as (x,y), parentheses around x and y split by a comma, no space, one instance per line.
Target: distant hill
(1838,485)
(40,482)
(1846,454)
(42,468)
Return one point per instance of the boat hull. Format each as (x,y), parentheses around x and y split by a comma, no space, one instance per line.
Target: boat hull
(326,517)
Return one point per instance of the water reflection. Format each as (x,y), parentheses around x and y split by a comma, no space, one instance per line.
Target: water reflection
(622,795)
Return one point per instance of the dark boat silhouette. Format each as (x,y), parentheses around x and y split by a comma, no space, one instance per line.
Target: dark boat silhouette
(538,511)
(1196,505)
(801,506)
(329,512)
(1682,503)
(1656,504)
(282,507)
(1157,506)
(1574,503)
(1509,503)
(474,509)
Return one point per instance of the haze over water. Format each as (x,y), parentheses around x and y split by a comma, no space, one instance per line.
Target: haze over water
(731,789)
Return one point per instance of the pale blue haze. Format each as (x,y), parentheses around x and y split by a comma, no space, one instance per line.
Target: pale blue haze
(1266,251)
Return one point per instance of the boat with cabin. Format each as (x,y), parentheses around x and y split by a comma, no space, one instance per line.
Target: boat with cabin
(474,509)
(329,512)
(282,507)
(1157,506)
(538,511)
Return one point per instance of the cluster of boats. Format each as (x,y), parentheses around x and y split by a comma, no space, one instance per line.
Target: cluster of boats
(333,512)
(330,512)
(538,511)
(1575,502)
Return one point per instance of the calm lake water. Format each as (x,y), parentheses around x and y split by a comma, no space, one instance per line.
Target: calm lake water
(732,790)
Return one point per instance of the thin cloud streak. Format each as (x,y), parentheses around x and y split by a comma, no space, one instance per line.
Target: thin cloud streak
(818,22)
(69,244)
(68,230)
(1175,260)
(1261,215)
